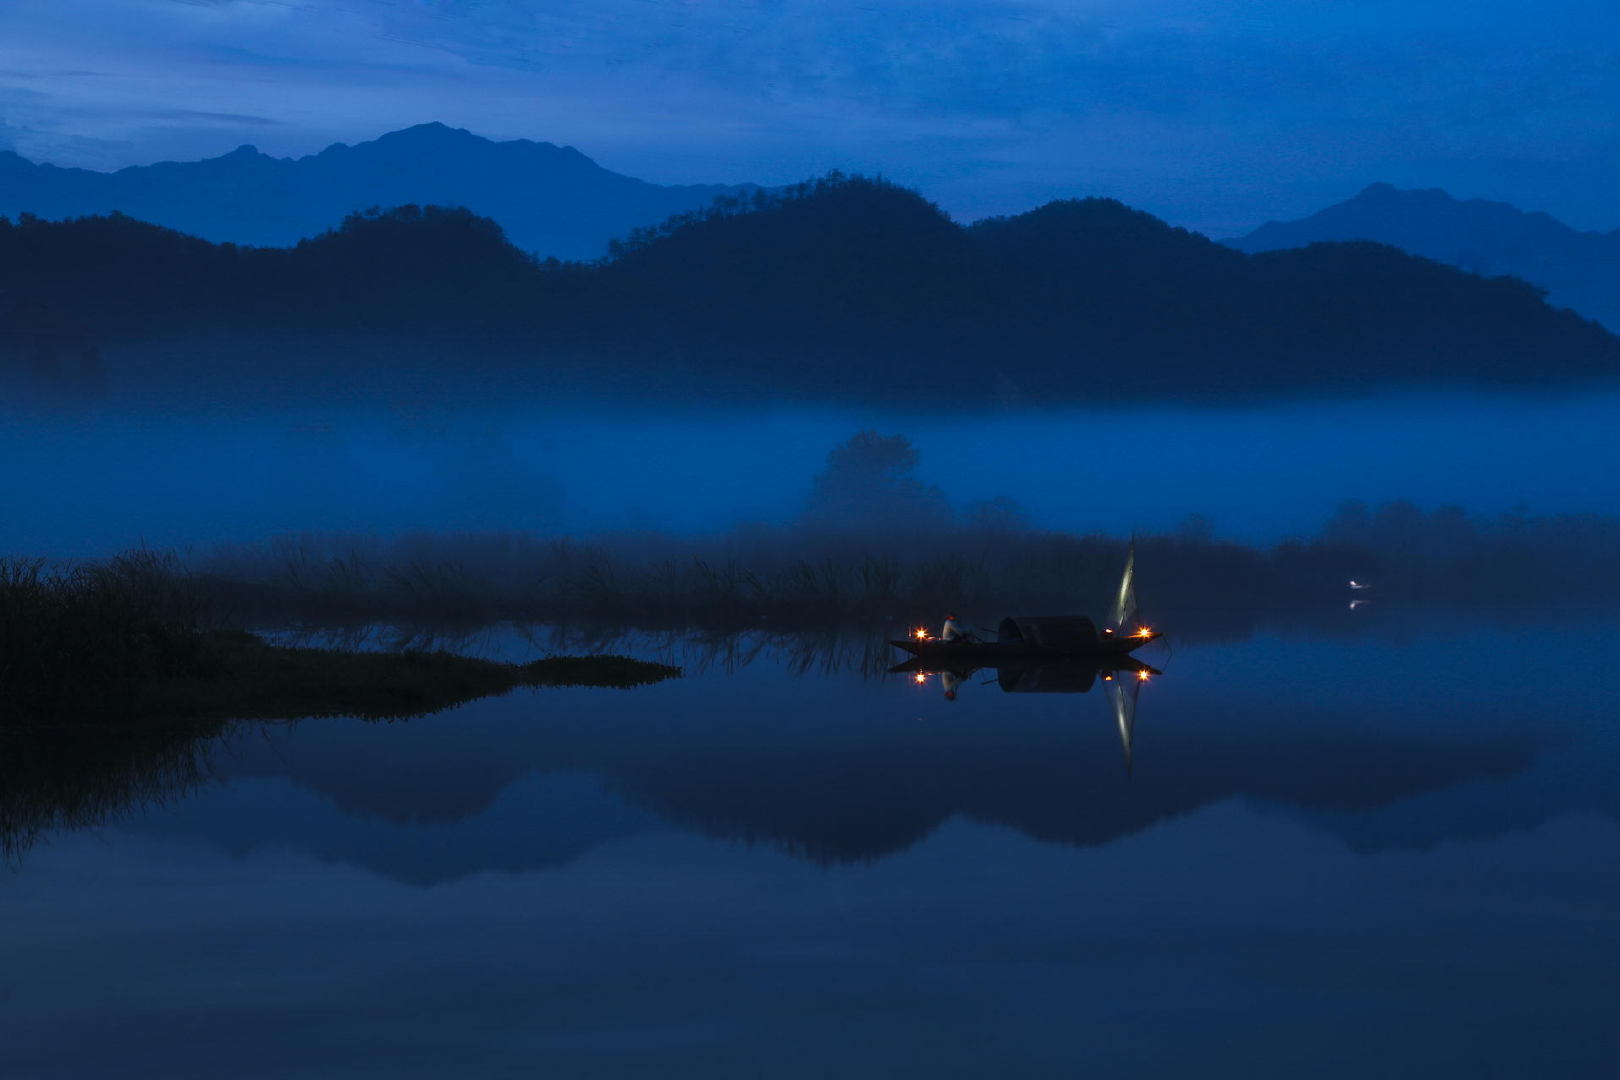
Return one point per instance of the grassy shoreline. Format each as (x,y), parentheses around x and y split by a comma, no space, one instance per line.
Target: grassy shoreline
(247,678)
(124,641)
(112,690)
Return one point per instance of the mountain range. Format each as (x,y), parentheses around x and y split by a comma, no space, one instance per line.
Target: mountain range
(555,202)
(1580,270)
(845,288)
(551,200)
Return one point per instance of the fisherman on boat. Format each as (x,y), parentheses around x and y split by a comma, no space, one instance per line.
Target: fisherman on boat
(954,632)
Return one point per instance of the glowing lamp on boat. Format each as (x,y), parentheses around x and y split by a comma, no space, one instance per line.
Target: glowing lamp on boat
(1143,676)
(919,678)
(920,634)
(1143,631)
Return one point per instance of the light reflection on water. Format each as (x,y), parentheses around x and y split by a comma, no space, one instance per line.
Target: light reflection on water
(1327,855)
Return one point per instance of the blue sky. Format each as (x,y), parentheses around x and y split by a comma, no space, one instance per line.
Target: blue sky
(1217,114)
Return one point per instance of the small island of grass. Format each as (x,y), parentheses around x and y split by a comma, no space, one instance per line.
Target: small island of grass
(120,642)
(243,677)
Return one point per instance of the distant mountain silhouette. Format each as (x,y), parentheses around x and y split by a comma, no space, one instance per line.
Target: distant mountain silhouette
(854,283)
(843,288)
(1580,270)
(551,200)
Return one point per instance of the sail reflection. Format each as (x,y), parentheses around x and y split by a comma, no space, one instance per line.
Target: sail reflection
(1122,675)
(1122,694)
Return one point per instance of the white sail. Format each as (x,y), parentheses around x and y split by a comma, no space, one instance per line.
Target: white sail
(1125,605)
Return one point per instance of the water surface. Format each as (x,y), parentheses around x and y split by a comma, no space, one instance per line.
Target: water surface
(1350,855)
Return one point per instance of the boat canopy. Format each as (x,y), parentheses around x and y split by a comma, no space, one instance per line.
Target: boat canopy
(1069,632)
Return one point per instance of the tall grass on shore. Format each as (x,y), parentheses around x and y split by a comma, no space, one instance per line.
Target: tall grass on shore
(797,577)
(125,640)
(77,645)
(783,578)
(84,639)
(653,581)
(111,692)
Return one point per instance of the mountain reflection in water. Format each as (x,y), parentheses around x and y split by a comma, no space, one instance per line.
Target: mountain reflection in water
(805,744)
(1389,847)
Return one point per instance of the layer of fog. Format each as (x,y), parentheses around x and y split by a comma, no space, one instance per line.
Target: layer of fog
(87,483)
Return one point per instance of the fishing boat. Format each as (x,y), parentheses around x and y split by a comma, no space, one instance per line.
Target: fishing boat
(1044,636)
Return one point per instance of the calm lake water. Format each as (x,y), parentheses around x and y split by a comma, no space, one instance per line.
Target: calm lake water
(1379,854)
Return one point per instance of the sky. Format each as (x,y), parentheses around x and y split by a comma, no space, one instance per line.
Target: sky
(1215,114)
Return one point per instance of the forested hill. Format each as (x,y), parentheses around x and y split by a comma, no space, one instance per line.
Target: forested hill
(845,287)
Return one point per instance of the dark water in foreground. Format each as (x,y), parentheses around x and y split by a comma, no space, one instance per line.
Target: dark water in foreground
(1331,857)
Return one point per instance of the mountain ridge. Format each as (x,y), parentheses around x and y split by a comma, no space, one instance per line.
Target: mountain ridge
(1580,269)
(843,288)
(551,200)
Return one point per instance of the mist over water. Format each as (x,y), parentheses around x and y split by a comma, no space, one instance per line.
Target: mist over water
(510,627)
(93,482)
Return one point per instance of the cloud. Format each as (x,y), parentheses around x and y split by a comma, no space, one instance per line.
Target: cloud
(1212,110)
(236,119)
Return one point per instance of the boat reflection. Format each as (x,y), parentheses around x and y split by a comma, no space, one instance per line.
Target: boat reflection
(1122,676)
(1025,675)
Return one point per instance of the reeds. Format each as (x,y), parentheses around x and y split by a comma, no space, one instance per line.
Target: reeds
(79,633)
(81,640)
(785,578)
(128,639)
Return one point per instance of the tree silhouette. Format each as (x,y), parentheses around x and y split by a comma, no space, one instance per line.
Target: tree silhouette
(868,486)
